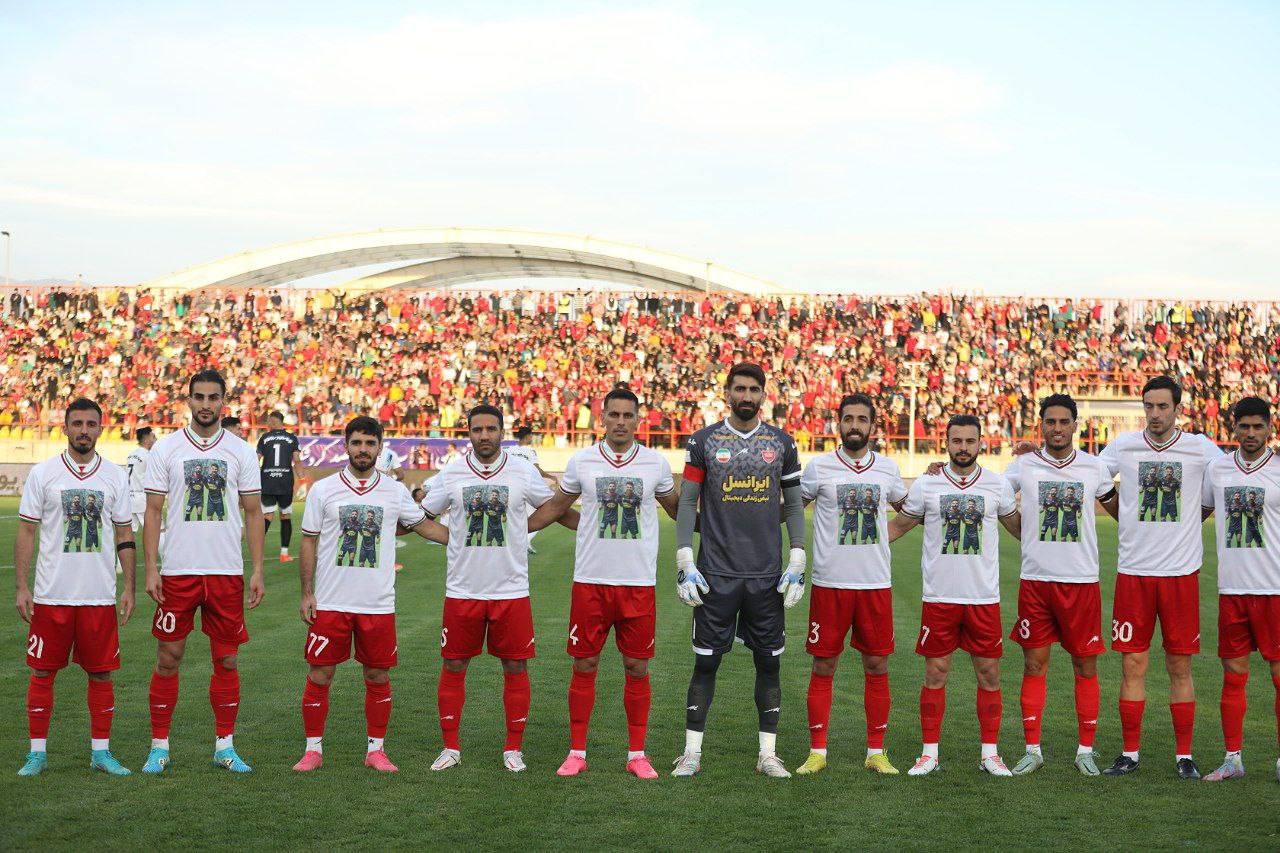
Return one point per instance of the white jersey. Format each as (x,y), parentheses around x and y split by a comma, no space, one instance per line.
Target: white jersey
(617,540)
(356,522)
(1059,523)
(525,452)
(960,559)
(851,499)
(202,481)
(1159,530)
(488,506)
(76,506)
(1246,498)
(387,461)
(136,465)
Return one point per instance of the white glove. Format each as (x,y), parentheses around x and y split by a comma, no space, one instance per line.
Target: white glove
(792,584)
(689,581)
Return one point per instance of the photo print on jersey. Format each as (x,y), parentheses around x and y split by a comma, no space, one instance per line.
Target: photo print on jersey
(486,512)
(361,527)
(1244,516)
(206,481)
(619,499)
(1160,491)
(859,505)
(82,521)
(1059,506)
(961,522)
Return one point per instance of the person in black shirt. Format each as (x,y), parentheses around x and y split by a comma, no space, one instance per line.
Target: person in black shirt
(278,458)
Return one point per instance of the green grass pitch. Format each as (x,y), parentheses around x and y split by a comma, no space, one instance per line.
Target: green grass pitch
(481,805)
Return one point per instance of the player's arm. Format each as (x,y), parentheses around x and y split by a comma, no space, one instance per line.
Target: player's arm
(1111,503)
(307,575)
(911,513)
(431,530)
(1013,523)
(900,524)
(23,547)
(1206,496)
(255,527)
(1009,509)
(552,511)
(151,521)
(670,503)
(127,553)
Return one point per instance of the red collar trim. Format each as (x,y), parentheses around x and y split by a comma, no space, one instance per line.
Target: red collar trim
(619,461)
(963,483)
(354,484)
(1160,448)
(486,473)
(77,470)
(1257,464)
(853,465)
(203,444)
(1056,463)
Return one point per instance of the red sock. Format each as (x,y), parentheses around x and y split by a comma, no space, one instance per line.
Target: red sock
(1233,707)
(377,707)
(1088,702)
(102,707)
(1275,680)
(516,696)
(315,708)
(224,697)
(451,695)
(819,701)
(636,697)
(933,705)
(582,698)
(990,708)
(1033,693)
(1184,724)
(1131,723)
(875,701)
(163,697)
(40,704)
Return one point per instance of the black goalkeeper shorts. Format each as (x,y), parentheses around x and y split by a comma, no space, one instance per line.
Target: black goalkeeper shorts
(749,609)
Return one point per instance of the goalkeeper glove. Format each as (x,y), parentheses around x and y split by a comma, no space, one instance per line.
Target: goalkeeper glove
(689,581)
(792,583)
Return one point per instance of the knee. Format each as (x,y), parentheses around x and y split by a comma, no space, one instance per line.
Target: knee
(228,662)
(1178,666)
(1085,667)
(514,667)
(321,676)
(99,676)
(41,673)
(376,676)
(588,666)
(1134,665)
(455,665)
(167,661)
(935,674)
(635,667)
(989,678)
(767,663)
(826,667)
(706,664)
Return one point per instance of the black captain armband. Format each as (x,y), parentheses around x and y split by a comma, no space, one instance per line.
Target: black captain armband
(126,546)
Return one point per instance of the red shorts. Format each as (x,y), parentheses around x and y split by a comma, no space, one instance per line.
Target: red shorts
(1248,622)
(833,613)
(975,628)
(220,599)
(506,625)
(631,611)
(329,638)
(1141,599)
(1067,613)
(85,633)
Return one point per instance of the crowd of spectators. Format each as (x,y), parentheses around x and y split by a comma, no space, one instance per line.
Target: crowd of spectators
(419,360)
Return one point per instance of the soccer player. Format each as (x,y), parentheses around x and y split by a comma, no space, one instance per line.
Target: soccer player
(280,468)
(203,567)
(137,468)
(961,590)
(524,449)
(487,582)
(746,474)
(851,580)
(1158,567)
(1248,577)
(1059,598)
(73,611)
(232,425)
(341,603)
(614,575)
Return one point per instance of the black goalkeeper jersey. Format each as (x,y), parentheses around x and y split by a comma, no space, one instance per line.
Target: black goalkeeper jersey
(277,448)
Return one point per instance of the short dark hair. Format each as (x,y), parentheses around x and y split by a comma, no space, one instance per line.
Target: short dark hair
(363,424)
(1249,407)
(230,421)
(964,420)
(141,432)
(1063,400)
(82,404)
(278,415)
(745,368)
(620,394)
(522,430)
(1164,383)
(207,376)
(857,400)
(484,409)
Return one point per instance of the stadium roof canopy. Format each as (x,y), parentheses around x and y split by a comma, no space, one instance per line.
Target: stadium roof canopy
(442,257)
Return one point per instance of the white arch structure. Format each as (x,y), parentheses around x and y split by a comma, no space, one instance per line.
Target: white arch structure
(441,257)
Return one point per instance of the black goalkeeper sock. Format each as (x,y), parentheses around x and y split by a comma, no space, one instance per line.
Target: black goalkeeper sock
(267,527)
(702,689)
(286,532)
(768,690)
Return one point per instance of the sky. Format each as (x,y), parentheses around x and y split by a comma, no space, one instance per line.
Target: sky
(1082,148)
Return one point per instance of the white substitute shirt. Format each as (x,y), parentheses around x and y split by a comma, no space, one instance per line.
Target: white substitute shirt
(1059,524)
(387,461)
(202,481)
(617,541)
(960,559)
(1246,498)
(1159,531)
(355,521)
(525,452)
(851,498)
(488,506)
(76,506)
(137,467)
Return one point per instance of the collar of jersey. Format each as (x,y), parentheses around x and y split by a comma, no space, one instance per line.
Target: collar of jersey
(854,465)
(77,470)
(1056,463)
(1250,467)
(203,443)
(964,482)
(614,459)
(1177,434)
(354,485)
(484,472)
(740,434)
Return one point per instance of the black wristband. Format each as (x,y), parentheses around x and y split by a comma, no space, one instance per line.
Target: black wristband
(125,546)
